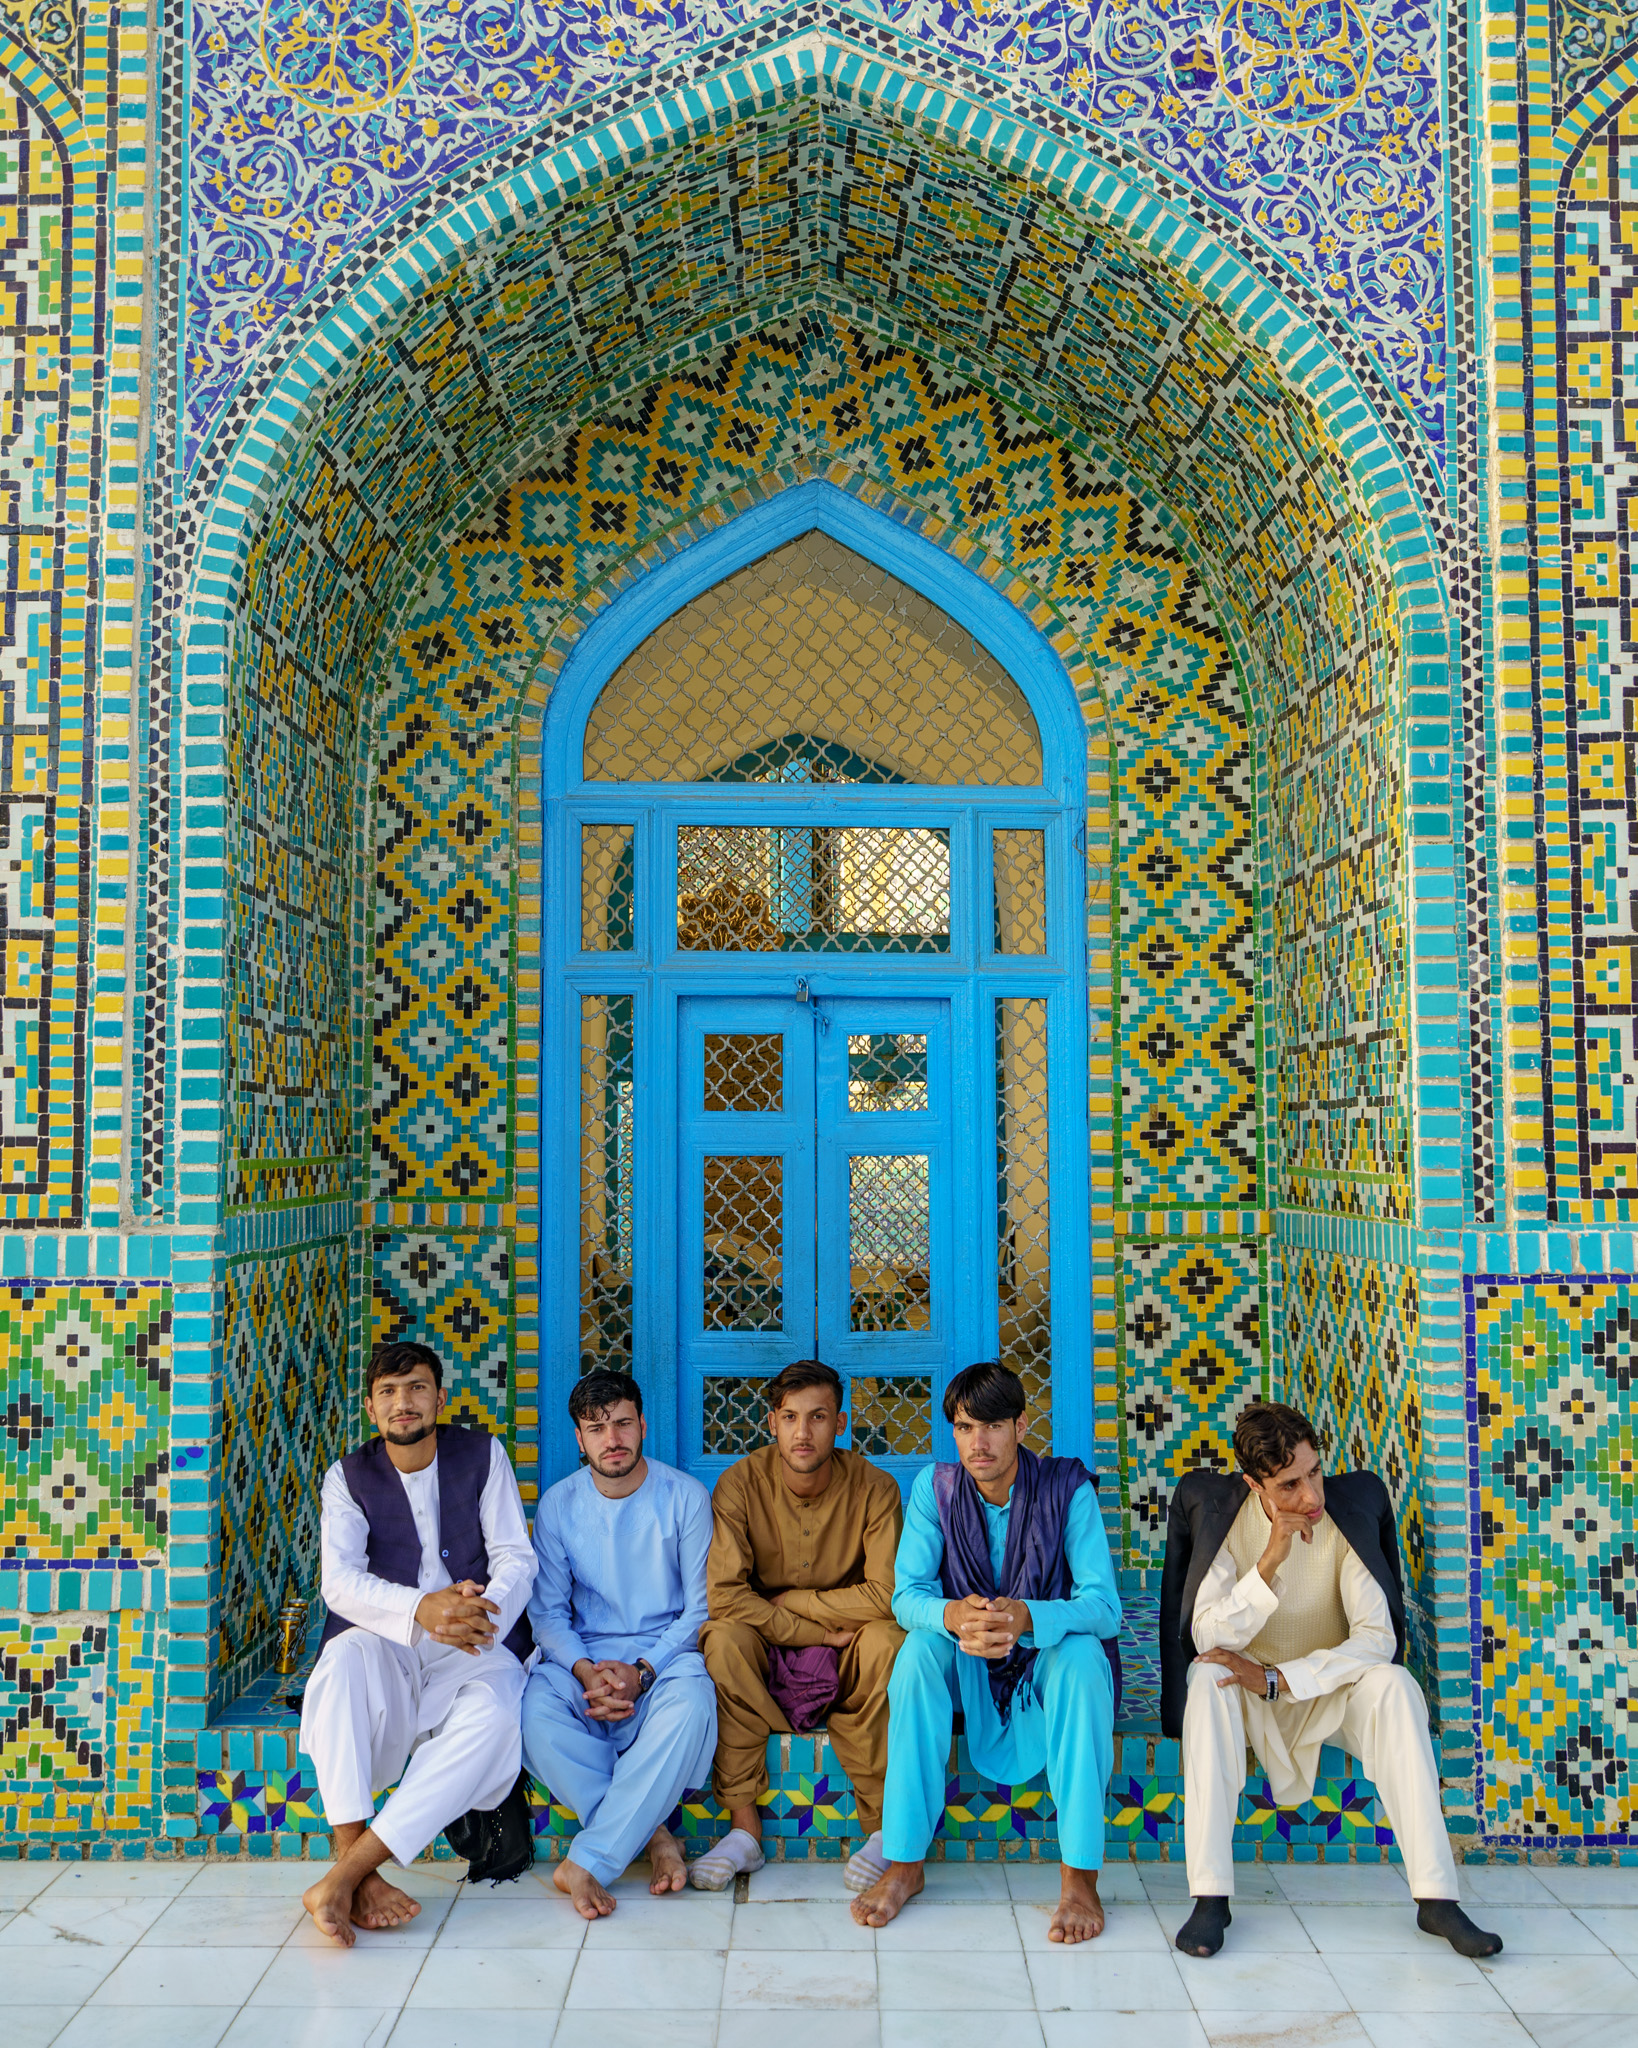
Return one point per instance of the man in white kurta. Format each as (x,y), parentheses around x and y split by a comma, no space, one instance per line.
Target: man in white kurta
(420,1691)
(1296,1646)
(620,1715)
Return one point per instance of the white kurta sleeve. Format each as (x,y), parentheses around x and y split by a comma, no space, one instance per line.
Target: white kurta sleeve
(349,1587)
(1230,1612)
(1370,1639)
(506,1541)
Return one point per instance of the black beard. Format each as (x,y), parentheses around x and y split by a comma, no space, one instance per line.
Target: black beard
(408,1437)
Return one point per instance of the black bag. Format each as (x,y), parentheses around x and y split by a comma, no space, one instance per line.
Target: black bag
(498,1844)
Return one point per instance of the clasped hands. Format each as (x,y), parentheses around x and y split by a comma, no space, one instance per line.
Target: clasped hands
(986,1628)
(459,1616)
(834,1638)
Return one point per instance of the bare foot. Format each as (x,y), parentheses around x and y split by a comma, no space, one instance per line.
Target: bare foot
(589,1898)
(1080,1911)
(331,1904)
(665,1856)
(379,1904)
(887,1898)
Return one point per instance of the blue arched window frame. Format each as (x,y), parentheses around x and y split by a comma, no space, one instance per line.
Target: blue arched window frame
(1058,804)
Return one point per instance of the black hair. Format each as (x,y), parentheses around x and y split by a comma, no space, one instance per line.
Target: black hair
(989,1393)
(1267,1435)
(594,1393)
(805,1372)
(391,1359)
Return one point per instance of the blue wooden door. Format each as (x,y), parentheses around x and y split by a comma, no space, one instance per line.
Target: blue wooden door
(817,1216)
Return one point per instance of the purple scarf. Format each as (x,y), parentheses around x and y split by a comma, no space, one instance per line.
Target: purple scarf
(804,1681)
(1033,1567)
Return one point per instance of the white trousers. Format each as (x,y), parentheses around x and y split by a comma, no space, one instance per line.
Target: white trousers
(1383,1721)
(441,1725)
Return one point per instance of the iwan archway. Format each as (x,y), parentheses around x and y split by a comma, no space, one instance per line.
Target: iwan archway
(1130,476)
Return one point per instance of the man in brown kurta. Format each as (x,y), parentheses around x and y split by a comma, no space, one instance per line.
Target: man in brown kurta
(802,1554)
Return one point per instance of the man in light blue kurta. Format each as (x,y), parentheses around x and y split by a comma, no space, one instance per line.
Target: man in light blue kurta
(620,1715)
(1060,1713)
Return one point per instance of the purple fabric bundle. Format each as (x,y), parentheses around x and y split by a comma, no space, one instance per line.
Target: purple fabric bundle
(804,1682)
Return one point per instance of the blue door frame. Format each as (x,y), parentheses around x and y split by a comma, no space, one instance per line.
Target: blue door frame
(659,979)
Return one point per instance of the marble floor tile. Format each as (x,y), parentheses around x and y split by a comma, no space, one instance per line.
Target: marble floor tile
(460,1979)
(1258,1927)
(1368,1930)
(1252,1881)
(1602,1884)
(360,1975)
(1578,2030)
(1501,1884)
(438,2027)
(35,2026)
(1436,1981)
(961,2030)
(590,2027)
(963,1883)
(55,1972)
(334,2026)
(1615,1927)
(1124,2030)
(232,1920)
(1444,2030)
(175,1976)
(1284,2030)
(284,1879)
(127,1880)
(685,1920)
(92,1918)
(931,1980)
(1577,1984)
(799,1924)
(932,1922)
(1339,1884)
(1549,1930)
(1095,1979)
(756,2027)
(20,1882)
(799,1979)
(1249,1982)
(518,1922)
(147,2026)
(776,1881)
(647,1979)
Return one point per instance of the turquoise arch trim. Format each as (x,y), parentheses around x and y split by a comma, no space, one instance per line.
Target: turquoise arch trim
(1059,805)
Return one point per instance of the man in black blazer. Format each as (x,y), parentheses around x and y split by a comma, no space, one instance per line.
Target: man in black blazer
(1282,1620)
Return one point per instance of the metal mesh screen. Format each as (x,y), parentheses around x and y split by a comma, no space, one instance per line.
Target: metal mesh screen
(887,1071)
(1024,1263)
(812,889)
(892,1418)
(891,1268)
(744,1071)
(607,879)
(816,659)
(736,1415)
(1019,867)
(744,1243)
(606,1095)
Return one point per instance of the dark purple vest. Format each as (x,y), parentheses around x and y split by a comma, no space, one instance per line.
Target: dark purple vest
(394,1547)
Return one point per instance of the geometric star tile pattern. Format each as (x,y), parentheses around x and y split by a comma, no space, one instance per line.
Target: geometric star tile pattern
(1350,1353)
(453,1290)
(1191,1316)
(285,1419)
(1552,1368)
(84,1420)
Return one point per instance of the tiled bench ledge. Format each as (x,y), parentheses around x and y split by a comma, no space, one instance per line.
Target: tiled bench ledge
(249,1791)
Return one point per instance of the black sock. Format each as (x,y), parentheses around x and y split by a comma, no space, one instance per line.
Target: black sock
(1202,1933)
(1444,1917)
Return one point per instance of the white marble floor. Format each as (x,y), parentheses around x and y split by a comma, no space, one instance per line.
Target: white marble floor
(101,1955)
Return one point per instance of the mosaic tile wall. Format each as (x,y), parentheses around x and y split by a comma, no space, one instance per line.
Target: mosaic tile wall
(1554,1604)
(287,1414)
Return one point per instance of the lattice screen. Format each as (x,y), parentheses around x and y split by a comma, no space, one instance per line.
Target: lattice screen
(816,661)
(606,1075)
(1023,1242)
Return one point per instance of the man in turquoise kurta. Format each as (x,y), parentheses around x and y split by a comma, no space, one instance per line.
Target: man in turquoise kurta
(1006,1623)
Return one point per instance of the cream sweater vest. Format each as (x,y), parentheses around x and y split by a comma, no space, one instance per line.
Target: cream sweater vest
(1310,1615)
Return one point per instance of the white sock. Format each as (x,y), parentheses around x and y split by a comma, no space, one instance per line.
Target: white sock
(743,1851)
(867,1865)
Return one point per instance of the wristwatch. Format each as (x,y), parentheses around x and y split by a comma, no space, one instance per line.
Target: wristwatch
(645,1676)
(1271,1680)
